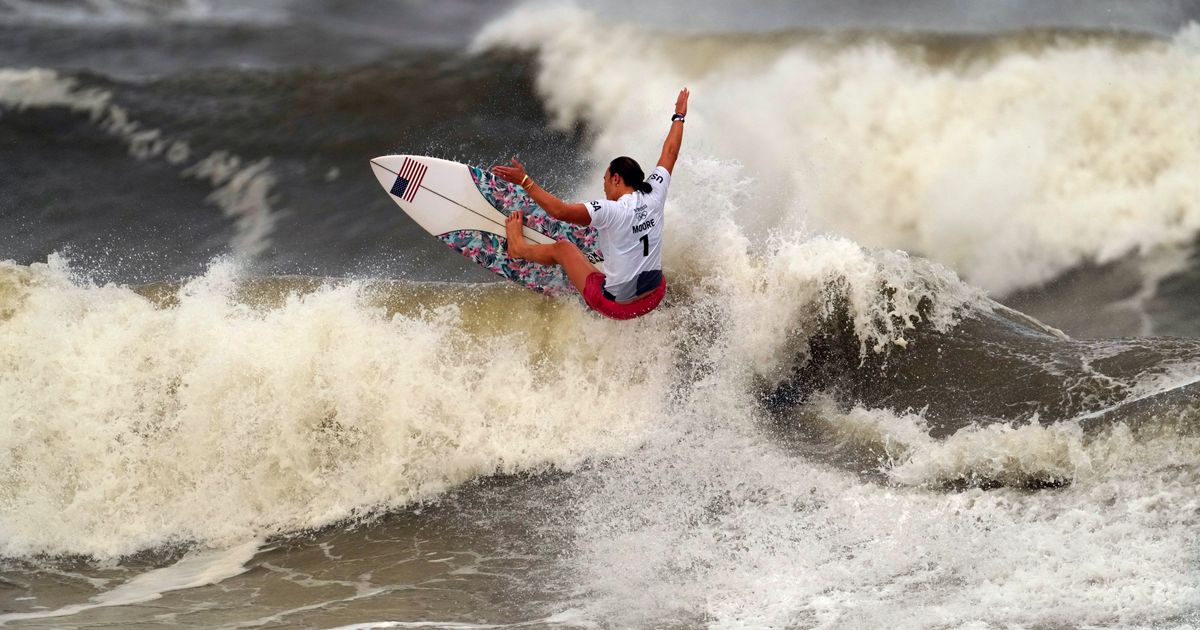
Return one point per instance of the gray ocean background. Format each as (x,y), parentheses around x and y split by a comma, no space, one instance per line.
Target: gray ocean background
(928,359)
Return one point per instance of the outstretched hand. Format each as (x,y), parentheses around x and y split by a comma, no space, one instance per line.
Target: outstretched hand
(681,102)
(514,174)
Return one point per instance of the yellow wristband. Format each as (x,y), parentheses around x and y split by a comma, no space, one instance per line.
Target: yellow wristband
(524,180)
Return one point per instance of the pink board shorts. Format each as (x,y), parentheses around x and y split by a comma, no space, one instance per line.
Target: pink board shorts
(593,294)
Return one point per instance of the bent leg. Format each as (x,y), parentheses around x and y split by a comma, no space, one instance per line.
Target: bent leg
(577,266)
(564,253)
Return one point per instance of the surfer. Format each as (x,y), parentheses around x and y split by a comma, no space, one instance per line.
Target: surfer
(628,222)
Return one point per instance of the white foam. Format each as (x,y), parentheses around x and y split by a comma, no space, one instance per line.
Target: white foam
(1010,168)
(193,570)
(1014,454)
(1153,269)
(567,618)
(242,191)
(715,525)
(128,426)
(142,13)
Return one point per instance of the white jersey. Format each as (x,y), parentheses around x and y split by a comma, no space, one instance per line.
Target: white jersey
(629,232)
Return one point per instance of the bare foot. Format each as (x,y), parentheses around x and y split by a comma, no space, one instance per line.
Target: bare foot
(516,239)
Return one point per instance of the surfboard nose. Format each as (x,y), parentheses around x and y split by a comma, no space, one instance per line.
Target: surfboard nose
(377,163)
(385,175)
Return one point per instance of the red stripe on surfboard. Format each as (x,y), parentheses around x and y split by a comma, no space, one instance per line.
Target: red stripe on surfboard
(414,172)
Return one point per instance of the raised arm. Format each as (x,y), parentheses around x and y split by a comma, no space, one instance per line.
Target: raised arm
(670,150)
(570,212)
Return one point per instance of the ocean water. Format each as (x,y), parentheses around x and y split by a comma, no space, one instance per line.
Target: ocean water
(930,357)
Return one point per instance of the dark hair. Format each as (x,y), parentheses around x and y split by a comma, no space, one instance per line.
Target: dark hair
(631,172)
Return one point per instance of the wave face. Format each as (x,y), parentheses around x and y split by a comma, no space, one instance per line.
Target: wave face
(234,380)
(1012,159)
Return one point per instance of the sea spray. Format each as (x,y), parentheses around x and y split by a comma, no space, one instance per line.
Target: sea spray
(1011,166)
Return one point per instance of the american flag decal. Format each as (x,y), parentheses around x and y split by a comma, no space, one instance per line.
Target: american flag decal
(408,180)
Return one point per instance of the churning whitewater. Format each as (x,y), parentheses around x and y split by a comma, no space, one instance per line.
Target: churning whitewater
(234,381)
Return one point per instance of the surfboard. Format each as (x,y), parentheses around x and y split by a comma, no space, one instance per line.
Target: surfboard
(465,207)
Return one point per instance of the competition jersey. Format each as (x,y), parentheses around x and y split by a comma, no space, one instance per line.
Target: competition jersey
(629,232)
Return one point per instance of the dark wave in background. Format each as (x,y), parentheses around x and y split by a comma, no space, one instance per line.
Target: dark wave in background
(137,220)
(198,273)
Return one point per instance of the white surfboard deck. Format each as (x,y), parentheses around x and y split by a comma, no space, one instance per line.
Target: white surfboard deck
(447,198)
(466,208)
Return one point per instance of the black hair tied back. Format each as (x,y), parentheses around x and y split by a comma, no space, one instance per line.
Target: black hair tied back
(631,172)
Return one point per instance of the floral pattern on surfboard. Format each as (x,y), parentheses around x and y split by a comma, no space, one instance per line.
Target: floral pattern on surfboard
(506,198)
(491,252)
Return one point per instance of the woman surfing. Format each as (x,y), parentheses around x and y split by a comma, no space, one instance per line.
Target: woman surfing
(629,226)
